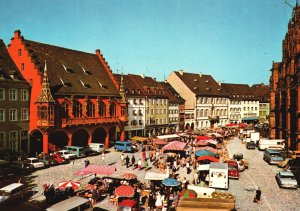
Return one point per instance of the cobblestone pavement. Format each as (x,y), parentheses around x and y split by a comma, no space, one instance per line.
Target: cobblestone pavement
(262,175)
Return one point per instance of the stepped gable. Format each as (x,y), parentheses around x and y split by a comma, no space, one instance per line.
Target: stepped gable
(239,91)
(71,71)
(201,84)
(8,69)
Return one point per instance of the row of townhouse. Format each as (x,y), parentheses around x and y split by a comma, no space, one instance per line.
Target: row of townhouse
(55,97)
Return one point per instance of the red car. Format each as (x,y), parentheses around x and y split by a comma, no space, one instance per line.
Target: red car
(59,159)
(233,171)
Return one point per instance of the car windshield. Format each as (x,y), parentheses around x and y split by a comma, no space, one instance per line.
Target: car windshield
(66,153)
(232,167)
(288,177)
(35,161)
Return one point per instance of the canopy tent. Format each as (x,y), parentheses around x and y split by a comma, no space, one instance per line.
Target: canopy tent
(138,138)
(155,176)
(168,136)
(210,158)
(160,142)
(207,148)
(203,138)
(103,170)
(82,172)
(204,153)
(175,145)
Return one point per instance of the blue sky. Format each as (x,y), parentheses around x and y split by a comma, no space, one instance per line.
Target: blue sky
(235,41)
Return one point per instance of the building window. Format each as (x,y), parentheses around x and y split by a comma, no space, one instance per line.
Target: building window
(24,95)
(64,110)
(19,52)
(2,115)
(140,122)
(77,109)
(24,114)
(90,109)
(123,110)
(13,138)
(2,139)
(22,66)
(134,112)
(2,94)
(13,115)
(102,108)
(112,109)
(13,94)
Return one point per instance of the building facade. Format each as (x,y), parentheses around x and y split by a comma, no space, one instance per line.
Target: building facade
(206,103)
(261,92)
(285,87)
(75,99)
(243,105)
(14,106)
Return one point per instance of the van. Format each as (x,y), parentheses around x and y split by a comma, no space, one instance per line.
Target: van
(278,144)
(124,146)
(272,156)
(74,203)
(218,175)
(78,151)
(97,147)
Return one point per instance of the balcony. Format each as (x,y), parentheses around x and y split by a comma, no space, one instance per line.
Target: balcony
(92,120)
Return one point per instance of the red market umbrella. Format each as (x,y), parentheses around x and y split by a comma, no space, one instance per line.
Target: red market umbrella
(186,193)
(128,176)
(203,138)
(71,183)
(127,203)
(212,159)
(103,170)
(231,125)
(124,191)
(175,145)
(243,125)
(160,142)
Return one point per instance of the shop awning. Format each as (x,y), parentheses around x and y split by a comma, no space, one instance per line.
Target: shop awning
(250,119)
(155,176)
(168,136)
(139,138)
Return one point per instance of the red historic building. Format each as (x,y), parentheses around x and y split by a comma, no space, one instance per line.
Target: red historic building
(285,87)
(75,99)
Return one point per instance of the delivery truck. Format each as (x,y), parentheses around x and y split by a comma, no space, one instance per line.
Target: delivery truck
(218,175)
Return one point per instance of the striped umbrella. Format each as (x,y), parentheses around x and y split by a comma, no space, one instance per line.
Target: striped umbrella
(70,183)
(124,191)
(175,145)
(186,193)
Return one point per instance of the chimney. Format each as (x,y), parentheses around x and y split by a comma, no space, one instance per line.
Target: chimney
(200,75)
(143,75)
(220,83)
(181,72)
(17,33)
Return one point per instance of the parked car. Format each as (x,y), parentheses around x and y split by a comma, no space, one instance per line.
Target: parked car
(59,158)
(88,151)
(250,145)
(238,156)
(124,146)
(48,161)
(233,171)
(66,154)
(272,156)
(36,163)
(76,150)
(286,179)
(97,147)
(21,166)
(12,193)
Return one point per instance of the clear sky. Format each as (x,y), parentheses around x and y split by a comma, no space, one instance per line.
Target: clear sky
(235,41)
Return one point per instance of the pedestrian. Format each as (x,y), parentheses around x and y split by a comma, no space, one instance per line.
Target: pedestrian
(144,155)
(133,162)
(103,157)
(122,159)
(139,164)
(145,165)
(127,161)
(196,178)
(187,165)
(257,196)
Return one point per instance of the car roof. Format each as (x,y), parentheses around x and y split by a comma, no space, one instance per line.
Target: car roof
(286,173)
(11,187)
(31,158)
(273,151)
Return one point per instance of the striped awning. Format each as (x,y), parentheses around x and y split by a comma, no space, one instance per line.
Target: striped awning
(175,145)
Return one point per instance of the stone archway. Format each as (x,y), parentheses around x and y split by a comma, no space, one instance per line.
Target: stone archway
(80,138)
(187,126)
(57,140)
(114,133)
(36,142)
(99,135)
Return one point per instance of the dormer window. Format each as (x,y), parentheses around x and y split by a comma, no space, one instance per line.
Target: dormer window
(206,81)
(86,72)
(195,88)
(19,52)
(83,84)
(102,86)
(68,70)
(207,88)
(22,66)
(195,79)
(62,82)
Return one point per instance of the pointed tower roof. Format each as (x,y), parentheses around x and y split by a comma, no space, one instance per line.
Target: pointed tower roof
(122,90)
(45,95)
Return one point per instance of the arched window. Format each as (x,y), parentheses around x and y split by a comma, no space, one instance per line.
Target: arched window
(90,110)
(102,108)
(112,109)
(64,110)
(77,109)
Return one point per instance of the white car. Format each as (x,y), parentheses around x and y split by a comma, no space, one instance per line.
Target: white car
(66,154)
(36,163)
(286,179)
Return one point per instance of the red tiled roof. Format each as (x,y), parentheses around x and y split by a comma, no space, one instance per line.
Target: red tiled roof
(261,91)
(172,95)
(239,91)
(71,71)
(201,84)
